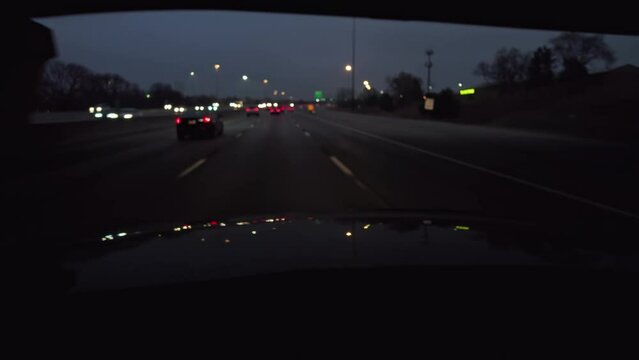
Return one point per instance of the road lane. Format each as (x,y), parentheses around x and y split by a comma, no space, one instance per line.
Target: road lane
(98,190)
(299,162)
(273,167)
(260,165)
(590,170)
(409,179)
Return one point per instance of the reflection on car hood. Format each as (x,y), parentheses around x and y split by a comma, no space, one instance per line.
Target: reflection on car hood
(267,244)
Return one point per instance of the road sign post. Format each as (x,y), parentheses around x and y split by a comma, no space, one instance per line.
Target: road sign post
(429,104)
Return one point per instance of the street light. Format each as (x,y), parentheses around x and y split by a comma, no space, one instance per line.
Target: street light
(192,73)
(283,93)
(348,68)
(265,81)
(244,77)
(217,70)
(148,96)
(459,84)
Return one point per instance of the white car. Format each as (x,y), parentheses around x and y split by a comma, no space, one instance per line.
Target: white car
(111,113)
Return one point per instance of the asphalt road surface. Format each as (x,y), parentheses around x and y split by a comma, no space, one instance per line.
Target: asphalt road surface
(325,163)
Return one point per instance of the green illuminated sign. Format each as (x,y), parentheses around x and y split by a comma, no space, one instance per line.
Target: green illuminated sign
(462,227)
(467,92)
(319,94)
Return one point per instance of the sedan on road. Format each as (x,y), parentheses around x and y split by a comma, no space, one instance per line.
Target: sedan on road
(252,110)
(275,110)
(199,123)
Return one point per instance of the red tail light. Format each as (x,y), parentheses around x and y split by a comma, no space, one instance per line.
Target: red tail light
(247,109)
(207,119)
(178,121)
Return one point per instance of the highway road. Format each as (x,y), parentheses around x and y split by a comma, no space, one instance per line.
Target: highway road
(82,188)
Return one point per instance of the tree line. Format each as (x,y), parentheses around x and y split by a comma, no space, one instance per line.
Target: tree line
(403,89)
(567,56)
(70,86)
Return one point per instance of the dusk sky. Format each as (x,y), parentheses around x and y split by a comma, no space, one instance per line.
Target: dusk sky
(296,53)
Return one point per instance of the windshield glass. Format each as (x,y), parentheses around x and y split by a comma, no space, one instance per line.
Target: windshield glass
(352,115)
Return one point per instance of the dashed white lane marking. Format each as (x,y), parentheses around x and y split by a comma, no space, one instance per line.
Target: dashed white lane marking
(190,169)
(341,166)
(307,133)
(485,170)
(238,135)
(361,184)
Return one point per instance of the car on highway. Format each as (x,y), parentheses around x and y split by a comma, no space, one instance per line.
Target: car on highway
(288,107)
(252,110)
(101,112)
(197,123)
(275,110)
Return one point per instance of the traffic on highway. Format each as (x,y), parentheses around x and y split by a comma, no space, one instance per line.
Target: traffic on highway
(158,156)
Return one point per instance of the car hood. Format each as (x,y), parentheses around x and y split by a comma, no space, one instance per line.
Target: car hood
(238,247)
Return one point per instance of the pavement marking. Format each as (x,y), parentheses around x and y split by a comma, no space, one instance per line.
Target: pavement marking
(239,135)
(190,169)
(482,169)
(307,133)
(341,166)
(361,184)
(252,126)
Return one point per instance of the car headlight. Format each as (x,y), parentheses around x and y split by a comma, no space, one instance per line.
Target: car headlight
(128,116)
(98,115)
(112,115)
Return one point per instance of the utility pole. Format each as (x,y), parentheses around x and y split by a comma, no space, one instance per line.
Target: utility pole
(429,65)
(353,72)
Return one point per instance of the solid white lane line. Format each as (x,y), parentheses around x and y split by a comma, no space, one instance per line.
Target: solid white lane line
(488,171)
(341,166)
(189,169)
(360,184)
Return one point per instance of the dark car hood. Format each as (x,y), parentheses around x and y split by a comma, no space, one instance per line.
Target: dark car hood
(270,244)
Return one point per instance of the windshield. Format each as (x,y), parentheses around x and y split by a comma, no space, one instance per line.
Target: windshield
(352,115)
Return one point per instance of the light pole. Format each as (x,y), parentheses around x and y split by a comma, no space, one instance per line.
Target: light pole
(265,82)
(216,67)
(194,82)
(353,72)
(349,69)
(429,65)
(244,81)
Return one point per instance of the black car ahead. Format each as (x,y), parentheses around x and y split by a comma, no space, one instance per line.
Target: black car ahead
(199,123)
(252,110)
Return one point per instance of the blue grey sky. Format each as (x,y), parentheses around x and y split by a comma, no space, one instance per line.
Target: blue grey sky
(296,53)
